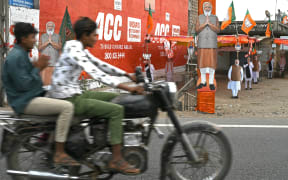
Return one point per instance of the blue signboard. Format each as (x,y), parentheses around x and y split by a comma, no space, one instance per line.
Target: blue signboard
(22,3)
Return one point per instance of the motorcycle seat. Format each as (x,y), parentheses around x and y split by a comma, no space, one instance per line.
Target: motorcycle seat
(11,115)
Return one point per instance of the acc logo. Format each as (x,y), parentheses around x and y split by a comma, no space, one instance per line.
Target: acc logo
(108,26)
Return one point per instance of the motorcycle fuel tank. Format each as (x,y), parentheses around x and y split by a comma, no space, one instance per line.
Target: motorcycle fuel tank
(136,106)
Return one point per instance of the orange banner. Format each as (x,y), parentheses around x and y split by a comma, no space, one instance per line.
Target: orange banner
(243,39)
(281,41)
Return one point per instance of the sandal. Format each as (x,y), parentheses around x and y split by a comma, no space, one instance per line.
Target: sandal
(66,161)
(119,167)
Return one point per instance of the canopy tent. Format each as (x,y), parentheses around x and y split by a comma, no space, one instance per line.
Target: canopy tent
(179,40)
(223,40)
(281,41)
(231,40)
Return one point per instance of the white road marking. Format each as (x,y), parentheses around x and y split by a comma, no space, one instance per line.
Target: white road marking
(253,126)
(236,126)
(226,126)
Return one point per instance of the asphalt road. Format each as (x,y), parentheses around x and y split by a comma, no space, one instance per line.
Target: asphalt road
(260,150)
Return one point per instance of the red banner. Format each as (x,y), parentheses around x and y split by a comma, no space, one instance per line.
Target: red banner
(122,28)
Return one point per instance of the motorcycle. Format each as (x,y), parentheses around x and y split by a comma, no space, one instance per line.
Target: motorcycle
(197,150)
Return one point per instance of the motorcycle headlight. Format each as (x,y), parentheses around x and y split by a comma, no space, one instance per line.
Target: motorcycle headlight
(172,92)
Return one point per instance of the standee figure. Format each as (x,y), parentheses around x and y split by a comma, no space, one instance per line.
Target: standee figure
(207,28)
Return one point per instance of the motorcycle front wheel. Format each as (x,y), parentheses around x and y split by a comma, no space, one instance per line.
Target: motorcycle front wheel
(213,149)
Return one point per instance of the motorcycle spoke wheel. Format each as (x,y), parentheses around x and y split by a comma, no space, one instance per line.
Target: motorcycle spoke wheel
(212,155)
(31,157)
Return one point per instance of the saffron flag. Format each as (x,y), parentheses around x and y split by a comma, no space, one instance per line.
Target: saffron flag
(248,23)
(149,21)
(251,49)
(285,19)
(268,29)
(66,30)
(230,17)
(254,51)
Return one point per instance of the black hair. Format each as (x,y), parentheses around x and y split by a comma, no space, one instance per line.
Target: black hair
(84,25)
(22,29)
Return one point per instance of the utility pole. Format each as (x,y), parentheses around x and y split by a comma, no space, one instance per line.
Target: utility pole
(4,39)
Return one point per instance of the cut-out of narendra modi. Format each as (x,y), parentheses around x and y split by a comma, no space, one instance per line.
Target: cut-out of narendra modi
(207,28)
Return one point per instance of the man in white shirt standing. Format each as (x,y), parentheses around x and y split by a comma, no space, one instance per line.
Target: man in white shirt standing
(65,85)
(282,63)
(270,66)
(248,73)
(260,69)
(235,76)
(149,69)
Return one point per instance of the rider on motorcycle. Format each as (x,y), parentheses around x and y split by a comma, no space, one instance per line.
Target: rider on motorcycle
(65,85)
(23,85)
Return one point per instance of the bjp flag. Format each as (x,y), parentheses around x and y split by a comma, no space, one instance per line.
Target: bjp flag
(230,17)
(284,20)
(149,21)
(248,23)
(268,29)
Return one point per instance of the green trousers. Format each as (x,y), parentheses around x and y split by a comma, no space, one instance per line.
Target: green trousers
(96,104)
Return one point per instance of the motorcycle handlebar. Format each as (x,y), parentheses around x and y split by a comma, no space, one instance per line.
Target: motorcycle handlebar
(139,75)
(140,79)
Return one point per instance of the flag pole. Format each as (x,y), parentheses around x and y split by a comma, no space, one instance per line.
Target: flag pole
(237,37)
(236,27)
(272,32)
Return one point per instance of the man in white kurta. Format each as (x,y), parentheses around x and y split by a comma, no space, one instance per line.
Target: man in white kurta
(255,69)
(259,70)
(270,66)
(282,63)
(235,76)
(149,69)
(248,73)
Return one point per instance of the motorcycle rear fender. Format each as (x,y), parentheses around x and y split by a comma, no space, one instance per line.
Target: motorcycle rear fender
(172,138)
(10,137)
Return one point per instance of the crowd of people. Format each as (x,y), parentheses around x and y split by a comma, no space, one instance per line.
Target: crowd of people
(250,72)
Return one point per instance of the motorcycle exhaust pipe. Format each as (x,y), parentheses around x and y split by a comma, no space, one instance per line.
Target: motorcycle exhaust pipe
(42,175)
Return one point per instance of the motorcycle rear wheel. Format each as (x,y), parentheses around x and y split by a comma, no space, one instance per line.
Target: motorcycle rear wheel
(26,156)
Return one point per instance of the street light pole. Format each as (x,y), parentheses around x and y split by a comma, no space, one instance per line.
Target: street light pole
(275,10)
(4,33)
